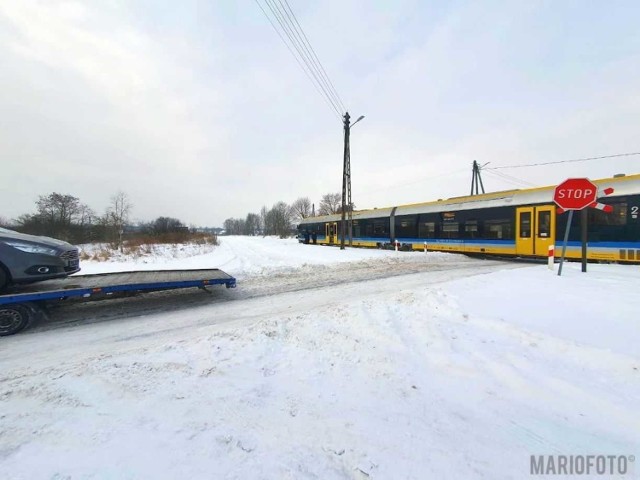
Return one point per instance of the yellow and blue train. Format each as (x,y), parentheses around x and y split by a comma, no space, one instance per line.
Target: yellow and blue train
(518,223)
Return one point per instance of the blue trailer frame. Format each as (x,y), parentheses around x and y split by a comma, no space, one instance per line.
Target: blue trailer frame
(19,308)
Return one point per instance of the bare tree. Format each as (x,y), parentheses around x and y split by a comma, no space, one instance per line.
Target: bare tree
(228,226)
(264,220)
(301,208)
(234,226)
(252,224)
(57,212)
(331,203)
(117,215)
(86,215)
(281,218)
(162,225)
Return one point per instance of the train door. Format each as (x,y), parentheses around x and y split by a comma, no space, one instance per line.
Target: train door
(331,230)
(545,229)
(524,231)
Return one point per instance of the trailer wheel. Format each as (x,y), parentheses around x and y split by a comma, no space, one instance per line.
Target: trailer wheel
(14,318)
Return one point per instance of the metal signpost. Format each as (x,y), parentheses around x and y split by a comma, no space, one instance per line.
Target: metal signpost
(578,194)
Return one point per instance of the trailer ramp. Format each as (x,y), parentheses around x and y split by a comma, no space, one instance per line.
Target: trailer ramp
(20,306)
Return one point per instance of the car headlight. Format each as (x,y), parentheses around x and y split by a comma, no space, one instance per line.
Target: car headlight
(31,247)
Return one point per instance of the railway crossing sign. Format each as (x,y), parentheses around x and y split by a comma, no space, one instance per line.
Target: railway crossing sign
(578,194)
(575,194)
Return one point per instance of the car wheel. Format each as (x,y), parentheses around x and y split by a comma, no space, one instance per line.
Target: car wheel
(14,318)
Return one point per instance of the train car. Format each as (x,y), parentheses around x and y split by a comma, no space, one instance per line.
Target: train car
(516,223)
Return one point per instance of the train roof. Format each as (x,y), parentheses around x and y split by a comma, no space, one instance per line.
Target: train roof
(623,185)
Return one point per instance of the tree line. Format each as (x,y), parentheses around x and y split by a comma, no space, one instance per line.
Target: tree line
(65,217)
(281,218)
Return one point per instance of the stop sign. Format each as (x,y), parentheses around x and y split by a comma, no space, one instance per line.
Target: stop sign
(575,194)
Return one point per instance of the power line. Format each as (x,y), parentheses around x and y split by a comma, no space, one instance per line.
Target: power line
(306,56)
(317,67)
(296,58)
(564,161)
(421,180)
(510,179)
(286,28)
(326,76)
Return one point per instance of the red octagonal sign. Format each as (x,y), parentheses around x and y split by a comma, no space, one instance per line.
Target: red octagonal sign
(575,194)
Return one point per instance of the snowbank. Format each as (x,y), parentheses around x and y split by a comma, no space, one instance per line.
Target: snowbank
(421,376)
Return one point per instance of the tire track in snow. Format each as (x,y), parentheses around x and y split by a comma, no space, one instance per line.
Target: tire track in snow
(101,328)
(279,282)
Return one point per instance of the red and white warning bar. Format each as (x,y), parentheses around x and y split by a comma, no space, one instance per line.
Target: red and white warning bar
(598,205)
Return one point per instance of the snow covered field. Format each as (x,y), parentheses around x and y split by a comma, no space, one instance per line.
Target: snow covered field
(330,364)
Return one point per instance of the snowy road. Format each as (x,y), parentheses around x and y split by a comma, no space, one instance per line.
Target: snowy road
(265,267)
(338,365)
(159,315)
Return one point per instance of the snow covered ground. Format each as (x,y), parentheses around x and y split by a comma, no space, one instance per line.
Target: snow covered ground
(330,364)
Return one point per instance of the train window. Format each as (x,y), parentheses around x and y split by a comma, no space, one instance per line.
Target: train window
(379,227)
(498,229)
(427,230)
(544,224)
(525,224)
(406,226)
(450,230)
(617,217)
(471,229)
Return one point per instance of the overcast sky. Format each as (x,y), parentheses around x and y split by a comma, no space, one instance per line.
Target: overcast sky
(197,110)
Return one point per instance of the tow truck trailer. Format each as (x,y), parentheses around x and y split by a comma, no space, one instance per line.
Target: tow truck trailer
(23,305)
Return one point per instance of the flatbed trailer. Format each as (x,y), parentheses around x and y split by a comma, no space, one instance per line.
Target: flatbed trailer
(23,304)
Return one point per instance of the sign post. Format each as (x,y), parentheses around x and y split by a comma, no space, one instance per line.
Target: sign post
(578,194)
(564,246)
(575,194)
(584,218)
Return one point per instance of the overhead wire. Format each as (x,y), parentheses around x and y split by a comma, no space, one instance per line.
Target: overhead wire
(303,44)
(324,72)
(305,53)
(510,179)
(296,59)
(286,28)
(420,180)
(563,161)
(307,56)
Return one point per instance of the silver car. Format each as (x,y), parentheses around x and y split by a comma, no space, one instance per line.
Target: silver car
(28,258)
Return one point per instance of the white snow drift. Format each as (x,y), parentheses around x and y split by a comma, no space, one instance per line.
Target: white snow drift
(459,371)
